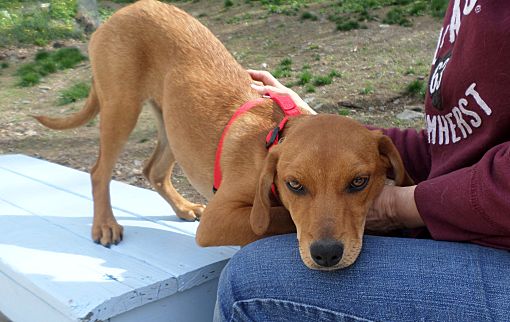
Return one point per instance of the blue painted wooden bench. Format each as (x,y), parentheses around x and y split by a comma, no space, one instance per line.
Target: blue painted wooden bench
(50,270)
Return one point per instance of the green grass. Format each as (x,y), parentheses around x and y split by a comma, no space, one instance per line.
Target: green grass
(48,62)
(367,90)
(322,80)
(417,88)
(283,69)
(344,111)
(397,16)
(309,16)
(308,80)
(286,7)
(105,13)
(334,73)
(74,93)
(228,3)
(4,65)
(26,22)
(349,25)
(309,88)
(437,8)
(347,14)
(304,77)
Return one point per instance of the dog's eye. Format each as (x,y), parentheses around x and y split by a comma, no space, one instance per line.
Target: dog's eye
(358,184)
(295,186)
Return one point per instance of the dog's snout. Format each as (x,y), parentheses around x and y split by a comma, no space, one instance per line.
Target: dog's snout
(327,252)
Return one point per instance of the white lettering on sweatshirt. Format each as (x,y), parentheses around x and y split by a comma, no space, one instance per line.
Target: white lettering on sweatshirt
(459,123)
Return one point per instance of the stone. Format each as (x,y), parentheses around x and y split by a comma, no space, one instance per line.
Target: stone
(408,115)
(87,15)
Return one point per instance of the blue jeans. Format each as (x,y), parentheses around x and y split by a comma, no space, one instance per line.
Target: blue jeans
(394,279)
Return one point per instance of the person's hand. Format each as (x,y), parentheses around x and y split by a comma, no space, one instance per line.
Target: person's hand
(267,83)
(394,208)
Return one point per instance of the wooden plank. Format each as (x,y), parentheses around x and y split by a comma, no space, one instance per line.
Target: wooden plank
(32,308)
(150,234)
(45,217)
(123,196)
(71,275)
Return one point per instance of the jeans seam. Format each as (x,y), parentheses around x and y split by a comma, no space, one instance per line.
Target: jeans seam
(265,300)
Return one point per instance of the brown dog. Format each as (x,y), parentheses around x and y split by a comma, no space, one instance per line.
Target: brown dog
(328,170)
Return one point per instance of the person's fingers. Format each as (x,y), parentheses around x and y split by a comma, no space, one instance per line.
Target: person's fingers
(285,91)
(265,77)
(265,89)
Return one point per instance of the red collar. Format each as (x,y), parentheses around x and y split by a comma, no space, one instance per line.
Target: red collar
(288,107)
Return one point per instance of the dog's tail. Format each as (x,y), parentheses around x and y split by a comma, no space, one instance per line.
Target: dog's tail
(82,117)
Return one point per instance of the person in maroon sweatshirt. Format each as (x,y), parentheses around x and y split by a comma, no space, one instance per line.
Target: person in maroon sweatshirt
(460,163)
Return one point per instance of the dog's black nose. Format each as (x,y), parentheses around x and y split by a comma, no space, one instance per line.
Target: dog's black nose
(327,252)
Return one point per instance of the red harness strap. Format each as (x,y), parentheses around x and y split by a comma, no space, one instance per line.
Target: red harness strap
(288,107)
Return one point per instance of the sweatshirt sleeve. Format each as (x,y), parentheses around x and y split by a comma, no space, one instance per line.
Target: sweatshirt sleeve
(472,203)
(414,151)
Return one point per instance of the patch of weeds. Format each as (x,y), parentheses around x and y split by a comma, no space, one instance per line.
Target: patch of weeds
(27,22)
(334,73)
(74,93)
(438,8)
(367,90)
(410,71)
(403,2)
(365,15)
(228,3)
(309,88)
(348,25)
(317,57)
(325,79)
(417,8)
(344,111)
(344,12)
(105,13)
(63,9)
(29,79)
(48,62)
(322,80)
(309,16)
(238,19)
(313,47)
(305,77)
(397,16)
(286,7)
(417,88)
(283,69)
(4,65)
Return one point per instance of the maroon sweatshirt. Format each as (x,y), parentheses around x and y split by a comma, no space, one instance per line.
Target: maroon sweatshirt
(461,161)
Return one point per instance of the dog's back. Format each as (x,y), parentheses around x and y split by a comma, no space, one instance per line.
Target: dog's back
(159,44)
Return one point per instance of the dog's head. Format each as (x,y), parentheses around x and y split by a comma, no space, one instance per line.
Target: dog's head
(328,170)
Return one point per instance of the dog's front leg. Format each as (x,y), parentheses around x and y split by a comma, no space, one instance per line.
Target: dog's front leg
(228,223)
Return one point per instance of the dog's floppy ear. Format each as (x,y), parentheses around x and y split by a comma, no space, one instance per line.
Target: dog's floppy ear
(260,213)
(388,150)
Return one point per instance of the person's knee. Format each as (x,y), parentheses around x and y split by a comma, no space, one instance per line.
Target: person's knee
(256,261)
(254,265)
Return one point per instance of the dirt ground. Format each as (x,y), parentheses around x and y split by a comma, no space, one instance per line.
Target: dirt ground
(376,64)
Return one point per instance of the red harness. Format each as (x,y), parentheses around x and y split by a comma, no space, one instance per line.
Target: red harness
(288,107)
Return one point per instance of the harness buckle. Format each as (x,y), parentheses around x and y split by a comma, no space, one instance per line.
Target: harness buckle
(272,137)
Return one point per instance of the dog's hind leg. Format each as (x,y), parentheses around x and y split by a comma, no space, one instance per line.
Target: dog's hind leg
(158,171)
(118,119)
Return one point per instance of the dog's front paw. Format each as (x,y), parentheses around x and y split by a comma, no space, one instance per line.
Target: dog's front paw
(107,233)
(192,212)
